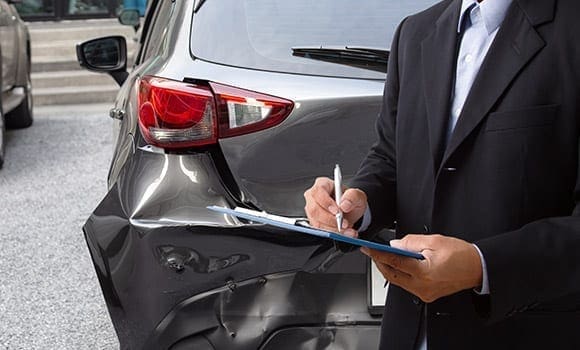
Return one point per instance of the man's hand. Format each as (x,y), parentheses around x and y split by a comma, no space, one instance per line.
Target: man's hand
(451,265)
(321,208)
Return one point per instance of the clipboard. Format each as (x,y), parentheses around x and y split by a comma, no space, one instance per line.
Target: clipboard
(301,225)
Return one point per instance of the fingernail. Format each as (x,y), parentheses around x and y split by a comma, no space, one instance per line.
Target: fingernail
(346,205)
(395,243)
(344,224)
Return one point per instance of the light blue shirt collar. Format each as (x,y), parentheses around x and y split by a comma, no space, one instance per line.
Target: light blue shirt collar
(492,11)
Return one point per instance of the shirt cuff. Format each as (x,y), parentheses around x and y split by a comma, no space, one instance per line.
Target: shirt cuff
(366,221)
(484,280)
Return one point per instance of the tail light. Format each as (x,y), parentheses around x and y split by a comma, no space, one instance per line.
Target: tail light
(242,111)
(176,115)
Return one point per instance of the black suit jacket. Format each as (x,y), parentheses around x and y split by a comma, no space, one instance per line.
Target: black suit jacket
(507,180)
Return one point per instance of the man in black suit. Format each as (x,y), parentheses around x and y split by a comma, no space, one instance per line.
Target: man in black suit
(497,178)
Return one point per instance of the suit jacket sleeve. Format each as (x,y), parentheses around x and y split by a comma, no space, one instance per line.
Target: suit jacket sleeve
(535,267)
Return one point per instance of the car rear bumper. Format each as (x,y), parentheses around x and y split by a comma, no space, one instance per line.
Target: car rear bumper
(297,310)
(172,272)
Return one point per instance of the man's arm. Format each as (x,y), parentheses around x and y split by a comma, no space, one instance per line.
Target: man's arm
(535,264)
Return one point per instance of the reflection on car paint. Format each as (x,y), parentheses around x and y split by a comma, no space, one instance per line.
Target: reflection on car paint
(178,259)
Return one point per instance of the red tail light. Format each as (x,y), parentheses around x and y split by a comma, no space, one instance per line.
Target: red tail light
(175,115)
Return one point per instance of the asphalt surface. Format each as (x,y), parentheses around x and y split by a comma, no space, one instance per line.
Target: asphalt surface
(54,176)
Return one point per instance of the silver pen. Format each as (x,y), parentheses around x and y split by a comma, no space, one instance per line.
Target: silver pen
(338,195)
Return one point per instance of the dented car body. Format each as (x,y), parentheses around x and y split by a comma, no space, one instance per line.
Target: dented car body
(225,107)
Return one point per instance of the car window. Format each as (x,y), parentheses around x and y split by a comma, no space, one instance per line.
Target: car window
(158,29)
(260,34)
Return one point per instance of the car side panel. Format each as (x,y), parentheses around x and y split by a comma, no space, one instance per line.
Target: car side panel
(23,53)
(8,40)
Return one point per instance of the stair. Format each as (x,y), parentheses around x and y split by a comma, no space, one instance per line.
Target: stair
(57,78)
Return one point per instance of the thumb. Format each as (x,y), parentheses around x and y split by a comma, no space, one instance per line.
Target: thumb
(414,243)
(352,199)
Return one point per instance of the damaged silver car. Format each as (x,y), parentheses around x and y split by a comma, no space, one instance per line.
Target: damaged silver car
(238,103)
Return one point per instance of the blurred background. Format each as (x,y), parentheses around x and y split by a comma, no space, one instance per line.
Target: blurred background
(54,175)
(55,27)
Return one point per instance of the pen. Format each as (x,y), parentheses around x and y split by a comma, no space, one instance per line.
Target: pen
(338,194)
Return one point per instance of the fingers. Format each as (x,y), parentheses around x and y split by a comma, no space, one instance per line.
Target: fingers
(320,217)
(321,194)
(416,242)
(350,232)
(320,206)
(394,276)
(409,266)
(352,199)
(397,277)
(353,205)
(450,265)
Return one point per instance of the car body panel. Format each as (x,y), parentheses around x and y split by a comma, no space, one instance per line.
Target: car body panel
(13,40)
(154,251)
(359,102)
(15,86)
(9,42)
(176,275)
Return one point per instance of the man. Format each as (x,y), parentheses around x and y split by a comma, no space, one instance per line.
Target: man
(478,142)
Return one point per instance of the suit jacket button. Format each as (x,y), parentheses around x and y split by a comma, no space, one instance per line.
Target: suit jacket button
(440,313)
(450,169)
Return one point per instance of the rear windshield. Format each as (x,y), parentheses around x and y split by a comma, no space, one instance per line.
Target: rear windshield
(260,34)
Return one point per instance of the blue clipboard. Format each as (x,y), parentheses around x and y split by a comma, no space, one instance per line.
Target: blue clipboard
(299,225)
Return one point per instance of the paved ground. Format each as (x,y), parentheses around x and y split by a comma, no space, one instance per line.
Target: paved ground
(53,177)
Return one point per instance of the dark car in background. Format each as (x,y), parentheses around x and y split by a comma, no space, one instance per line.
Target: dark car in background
(238,103)
(16,99)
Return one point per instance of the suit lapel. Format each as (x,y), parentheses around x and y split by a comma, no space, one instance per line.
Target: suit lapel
(516,43)
(438,52)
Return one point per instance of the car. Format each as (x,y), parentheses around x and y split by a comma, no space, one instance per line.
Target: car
(238,103)
(16,96)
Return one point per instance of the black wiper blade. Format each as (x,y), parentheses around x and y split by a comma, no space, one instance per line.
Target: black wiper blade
(362,57)
(199,4)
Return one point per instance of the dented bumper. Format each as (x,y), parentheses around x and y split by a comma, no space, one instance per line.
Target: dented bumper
(175,275)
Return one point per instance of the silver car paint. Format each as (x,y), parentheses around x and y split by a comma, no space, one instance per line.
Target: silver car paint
(287,176)
(14,39)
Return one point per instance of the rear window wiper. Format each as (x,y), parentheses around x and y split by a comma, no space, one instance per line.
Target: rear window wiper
(199,4)
(362,57)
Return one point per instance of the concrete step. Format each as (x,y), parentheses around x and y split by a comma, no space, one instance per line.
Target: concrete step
(53,64)
(65,48)
(57,78)
(60,63)
(45,32)
(74,95)
(70,78)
